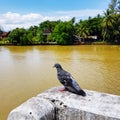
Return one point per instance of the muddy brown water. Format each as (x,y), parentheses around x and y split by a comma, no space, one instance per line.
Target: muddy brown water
(28,70)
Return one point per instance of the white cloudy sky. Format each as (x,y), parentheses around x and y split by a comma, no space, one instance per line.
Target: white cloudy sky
(28,13)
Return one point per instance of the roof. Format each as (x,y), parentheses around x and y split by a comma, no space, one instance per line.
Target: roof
(46,32)
(4,34)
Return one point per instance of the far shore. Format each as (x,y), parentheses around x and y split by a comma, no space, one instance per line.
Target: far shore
(89,43)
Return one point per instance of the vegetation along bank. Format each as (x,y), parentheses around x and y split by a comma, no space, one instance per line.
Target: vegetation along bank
(100,29)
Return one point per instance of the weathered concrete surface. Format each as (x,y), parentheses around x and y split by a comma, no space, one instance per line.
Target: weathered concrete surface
(57,105)
(34,109)
(95,106)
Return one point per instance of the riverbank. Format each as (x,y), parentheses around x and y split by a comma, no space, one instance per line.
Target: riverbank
(54,43)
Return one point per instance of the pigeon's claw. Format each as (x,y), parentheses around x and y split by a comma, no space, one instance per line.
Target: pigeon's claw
(62,90)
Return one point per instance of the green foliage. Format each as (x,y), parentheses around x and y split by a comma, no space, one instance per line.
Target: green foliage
(20,36)
(111,23)
(4,41)
(63,33)
(106,28)
(82,28)
(50,38)
(91,26)
(114,6)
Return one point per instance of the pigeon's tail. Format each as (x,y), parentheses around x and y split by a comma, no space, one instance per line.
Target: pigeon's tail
(81,92)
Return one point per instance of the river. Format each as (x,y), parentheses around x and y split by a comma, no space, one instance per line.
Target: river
(26,71)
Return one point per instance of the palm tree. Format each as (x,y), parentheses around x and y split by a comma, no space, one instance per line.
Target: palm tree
(116,31)
(114,6)
(83,29)
(107,25)
(118,7)
(111,22)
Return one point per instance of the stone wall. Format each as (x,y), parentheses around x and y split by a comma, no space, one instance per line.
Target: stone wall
(56,105)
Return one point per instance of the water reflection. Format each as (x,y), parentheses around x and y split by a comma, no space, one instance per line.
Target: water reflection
(27,71)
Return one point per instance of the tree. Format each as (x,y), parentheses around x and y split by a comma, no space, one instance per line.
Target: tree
(63,33)
(46,25)
(111,23)
(116,31)
(14,36)
(82,28)
(94,26)
(118,7)
(114,6)
(40,37)
(33,30)
(107,25)
(20,36)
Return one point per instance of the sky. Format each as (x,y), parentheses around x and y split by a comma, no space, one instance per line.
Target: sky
(26,13)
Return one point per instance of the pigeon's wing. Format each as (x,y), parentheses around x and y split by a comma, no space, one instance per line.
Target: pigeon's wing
(72,85)
(68,81)
(75,84)
(64,76)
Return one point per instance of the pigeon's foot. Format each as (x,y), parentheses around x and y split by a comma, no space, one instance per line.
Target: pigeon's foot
(62,90)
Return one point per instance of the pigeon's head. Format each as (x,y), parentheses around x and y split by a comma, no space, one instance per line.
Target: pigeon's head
(57,66)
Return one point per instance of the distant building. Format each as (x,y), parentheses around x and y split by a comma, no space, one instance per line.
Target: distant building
(46,32)
(92,37)
(82,40)
(89,39)
(4,34)
(78,40)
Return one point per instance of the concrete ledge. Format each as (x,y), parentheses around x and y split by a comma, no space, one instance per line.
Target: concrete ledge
(34,109)
(55,105)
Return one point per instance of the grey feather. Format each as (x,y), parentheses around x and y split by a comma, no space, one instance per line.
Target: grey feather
(68,81)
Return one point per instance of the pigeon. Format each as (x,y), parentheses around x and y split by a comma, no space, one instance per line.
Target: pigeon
(68,81)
